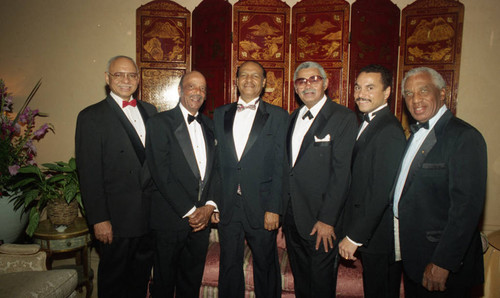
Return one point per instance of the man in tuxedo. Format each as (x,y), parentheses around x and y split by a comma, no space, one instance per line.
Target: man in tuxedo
(115,182)
(367,221)
(250,136)
(439,194)
(321,136)
(180,151)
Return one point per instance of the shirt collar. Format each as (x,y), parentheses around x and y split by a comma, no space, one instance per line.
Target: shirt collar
(252,102)
(372,113)
(185,113)
(118,99)
(315,109)
(436,117)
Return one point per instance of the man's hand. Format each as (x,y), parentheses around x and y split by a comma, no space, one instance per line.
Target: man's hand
(435,277)
(325,234)
(200,217)
(104,232)
(215,217)
(271,221)
(347,249)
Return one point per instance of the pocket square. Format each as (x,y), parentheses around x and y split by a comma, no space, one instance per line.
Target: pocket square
(324,139)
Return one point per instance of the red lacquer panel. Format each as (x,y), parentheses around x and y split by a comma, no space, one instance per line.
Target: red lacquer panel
(374,40)
(163,51)
(320,33)
(261,33)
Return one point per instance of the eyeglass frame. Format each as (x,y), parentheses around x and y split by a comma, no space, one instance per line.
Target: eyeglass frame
(301,82)
(129,75)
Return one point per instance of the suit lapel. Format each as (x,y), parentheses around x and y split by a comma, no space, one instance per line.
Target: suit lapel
(258,124)
(317,126)
(291,127)
(228,128)
(129,128)
(182,134)
(209,147)
(426,147)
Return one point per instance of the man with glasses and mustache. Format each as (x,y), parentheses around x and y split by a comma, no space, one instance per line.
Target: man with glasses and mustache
(367,221)
(115,182)
(321,136)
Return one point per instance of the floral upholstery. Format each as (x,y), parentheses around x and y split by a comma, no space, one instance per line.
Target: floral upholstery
(23,274)
(349,281)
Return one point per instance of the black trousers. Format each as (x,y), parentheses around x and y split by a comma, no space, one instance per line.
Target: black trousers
(381,275)
(262,243)
(125,267)
(179,263)
(314,271)
(416,290)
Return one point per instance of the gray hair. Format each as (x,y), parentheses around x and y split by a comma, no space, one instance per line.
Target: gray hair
(310,64)
(437,79)
(113,59)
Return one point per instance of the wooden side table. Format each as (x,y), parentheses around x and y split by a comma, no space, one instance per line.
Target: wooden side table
(76,238)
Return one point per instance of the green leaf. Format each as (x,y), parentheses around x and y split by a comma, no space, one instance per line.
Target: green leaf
(34,219)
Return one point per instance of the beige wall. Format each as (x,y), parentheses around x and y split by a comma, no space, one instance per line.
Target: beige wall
(68,42)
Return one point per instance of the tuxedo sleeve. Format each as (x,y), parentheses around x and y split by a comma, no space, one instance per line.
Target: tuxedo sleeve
(340,172)
(159,153)
(88,152)
(274,204)
(386,154)
(467,189)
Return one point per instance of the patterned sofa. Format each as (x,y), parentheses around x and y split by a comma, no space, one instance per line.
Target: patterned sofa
(23,273)
(349,282)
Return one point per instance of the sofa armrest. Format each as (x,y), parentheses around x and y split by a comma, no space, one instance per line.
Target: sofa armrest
(21,257)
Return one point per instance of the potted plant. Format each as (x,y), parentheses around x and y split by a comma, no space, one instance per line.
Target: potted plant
(55,186)
(18,135)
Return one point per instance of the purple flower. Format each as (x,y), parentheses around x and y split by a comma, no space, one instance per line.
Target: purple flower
(13,169)
(31,148)
(40,133)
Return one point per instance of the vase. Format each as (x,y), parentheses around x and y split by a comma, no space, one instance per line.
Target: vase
(12,223)
(61,213)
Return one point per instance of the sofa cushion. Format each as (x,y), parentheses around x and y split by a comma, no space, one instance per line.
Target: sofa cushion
(40,284)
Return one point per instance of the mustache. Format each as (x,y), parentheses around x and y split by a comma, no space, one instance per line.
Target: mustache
(361,99)
(308,90)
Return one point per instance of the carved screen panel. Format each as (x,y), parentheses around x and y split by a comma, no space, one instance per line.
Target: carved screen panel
(320,31)
(163,54)
(212,50)
(431,36)
(374,40)
(261,33)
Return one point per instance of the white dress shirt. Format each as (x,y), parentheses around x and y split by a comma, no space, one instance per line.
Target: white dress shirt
(243,122)
(417,140)
(199,147)
(303,125)
(372,115)
(134,116)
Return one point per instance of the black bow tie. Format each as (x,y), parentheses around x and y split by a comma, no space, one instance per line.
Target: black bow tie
(308,115)
(191,118)
(366,118)
(415,127)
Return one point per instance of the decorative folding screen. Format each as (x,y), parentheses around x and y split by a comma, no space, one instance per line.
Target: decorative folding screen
(261,33)
(320,31)
(374,40)
(431,35)
(163,53)
(212,50)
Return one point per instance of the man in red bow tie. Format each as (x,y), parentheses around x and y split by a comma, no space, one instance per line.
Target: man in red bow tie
(115,182)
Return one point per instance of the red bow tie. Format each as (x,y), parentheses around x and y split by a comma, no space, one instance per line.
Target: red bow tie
(132,103)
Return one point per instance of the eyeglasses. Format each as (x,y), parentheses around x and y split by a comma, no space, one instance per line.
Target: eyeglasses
(122,75)
(301,82)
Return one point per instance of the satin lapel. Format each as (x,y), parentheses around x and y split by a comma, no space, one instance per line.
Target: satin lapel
(291,127)
(369,131)
(182,134)
(129,129)
(228,129)
(317,126)
(426,147)
(258,124)
(209,147)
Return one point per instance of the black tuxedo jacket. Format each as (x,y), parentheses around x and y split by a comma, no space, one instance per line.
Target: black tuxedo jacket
(260,169)
(114,179)
(367,217)
(442,201)
(316,186)
(174,169)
